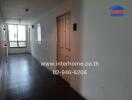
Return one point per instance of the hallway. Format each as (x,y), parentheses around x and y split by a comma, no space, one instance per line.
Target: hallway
(26,79)
(46,38)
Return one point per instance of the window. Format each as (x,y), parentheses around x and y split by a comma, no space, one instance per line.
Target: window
(39,33)
(17,35)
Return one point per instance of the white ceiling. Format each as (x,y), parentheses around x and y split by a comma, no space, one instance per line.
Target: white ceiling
(13,11)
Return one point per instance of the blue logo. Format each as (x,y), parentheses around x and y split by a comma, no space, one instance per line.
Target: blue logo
(117,10)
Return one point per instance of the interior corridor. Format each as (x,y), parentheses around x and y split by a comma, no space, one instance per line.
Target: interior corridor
(92,39)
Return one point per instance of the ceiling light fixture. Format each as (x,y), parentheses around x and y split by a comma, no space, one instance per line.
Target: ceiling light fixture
(27,10)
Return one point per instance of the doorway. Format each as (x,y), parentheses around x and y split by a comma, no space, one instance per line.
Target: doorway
(64,43)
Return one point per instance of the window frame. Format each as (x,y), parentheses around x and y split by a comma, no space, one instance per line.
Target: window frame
(39,33)
(17,37)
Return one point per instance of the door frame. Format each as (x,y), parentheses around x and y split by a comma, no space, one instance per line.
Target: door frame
(69,12)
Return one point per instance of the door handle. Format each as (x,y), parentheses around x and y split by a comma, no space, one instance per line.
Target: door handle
(68,49)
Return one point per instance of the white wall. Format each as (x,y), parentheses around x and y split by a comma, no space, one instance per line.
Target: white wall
(47,50)
(108,40)
(1,54)
(104,38)
(0,42)
(2,48)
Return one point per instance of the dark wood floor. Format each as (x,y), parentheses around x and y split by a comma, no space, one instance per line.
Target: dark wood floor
(25,79)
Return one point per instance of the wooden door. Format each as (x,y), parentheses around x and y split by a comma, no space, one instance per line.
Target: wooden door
(63,43)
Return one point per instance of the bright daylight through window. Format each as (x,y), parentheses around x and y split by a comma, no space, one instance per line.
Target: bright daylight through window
(17,35)
(39,33)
